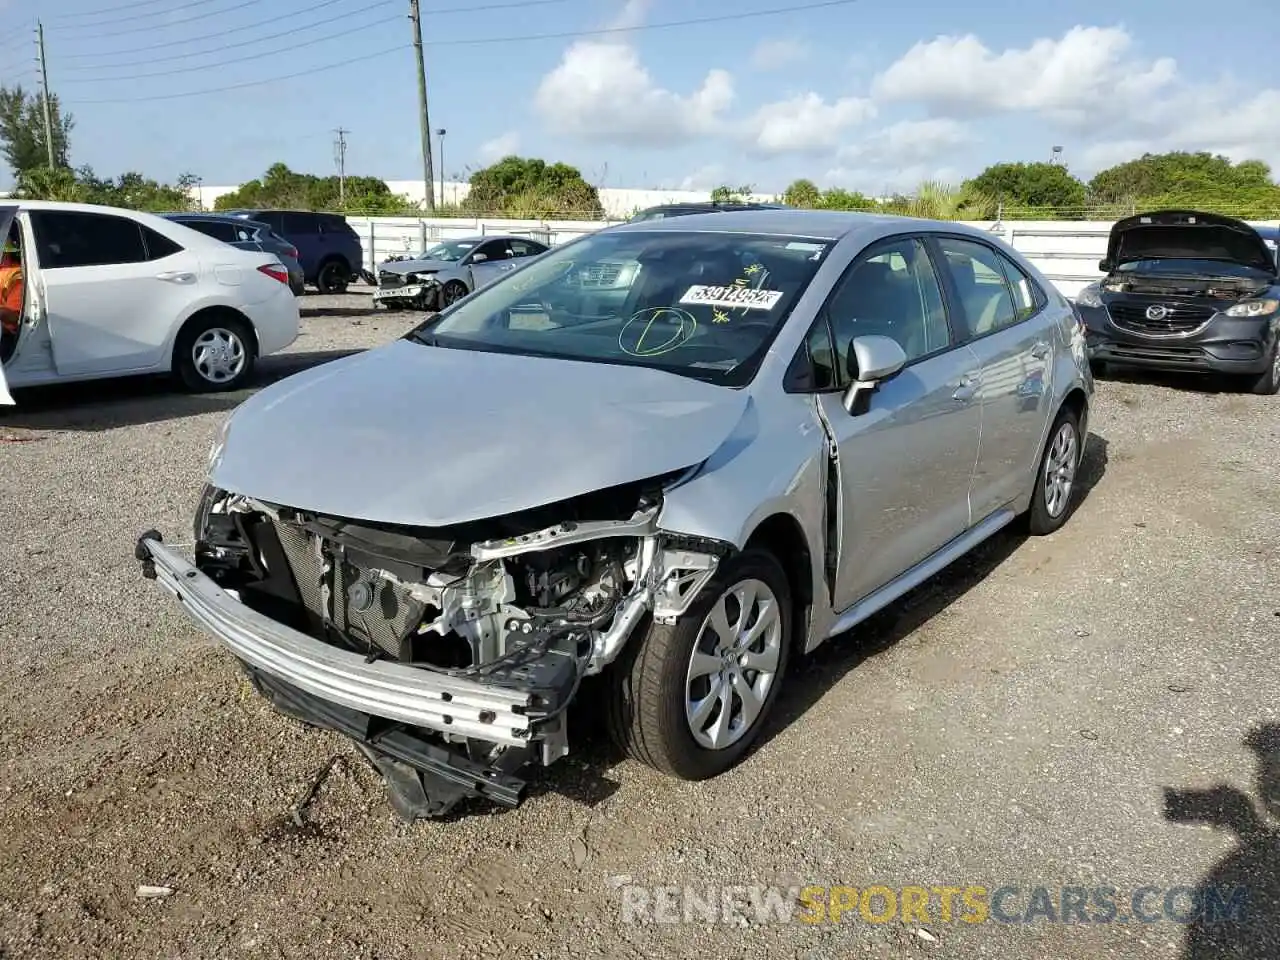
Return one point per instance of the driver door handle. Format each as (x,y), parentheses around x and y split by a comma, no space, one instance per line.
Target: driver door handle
(967,389)
(1040,350)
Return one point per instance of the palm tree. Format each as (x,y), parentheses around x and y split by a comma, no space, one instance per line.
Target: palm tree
(934,200)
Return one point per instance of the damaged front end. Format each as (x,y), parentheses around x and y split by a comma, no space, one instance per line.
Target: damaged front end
(449,655)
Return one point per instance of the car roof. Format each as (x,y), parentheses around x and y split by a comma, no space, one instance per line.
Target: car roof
(219,217)
(482,237)
(815,224)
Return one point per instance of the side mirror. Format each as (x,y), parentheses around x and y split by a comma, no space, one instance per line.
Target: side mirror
(479,257)
(1104,266)
(869,362)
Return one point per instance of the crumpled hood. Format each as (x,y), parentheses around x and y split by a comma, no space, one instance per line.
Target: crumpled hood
(403,267)
(1187,234)
(429,436)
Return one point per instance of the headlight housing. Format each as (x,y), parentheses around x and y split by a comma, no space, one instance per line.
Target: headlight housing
(1090,296)
(1252,308)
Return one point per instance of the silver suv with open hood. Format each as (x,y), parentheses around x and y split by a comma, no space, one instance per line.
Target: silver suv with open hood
(674,455)
(1187,291)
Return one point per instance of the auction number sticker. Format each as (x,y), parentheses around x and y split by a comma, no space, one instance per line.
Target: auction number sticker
(732,297)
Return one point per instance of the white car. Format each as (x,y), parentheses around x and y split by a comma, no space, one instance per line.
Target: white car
(109,292)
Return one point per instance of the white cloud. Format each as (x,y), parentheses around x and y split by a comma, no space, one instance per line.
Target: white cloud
(706,177)
(500,146)
(909,143)
(804,124)
(1089,72)
(776,54)
(601,91)
(631,15)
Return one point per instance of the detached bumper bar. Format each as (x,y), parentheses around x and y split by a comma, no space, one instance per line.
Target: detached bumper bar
(388,690)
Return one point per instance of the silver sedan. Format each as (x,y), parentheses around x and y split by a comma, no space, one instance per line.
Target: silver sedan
(448,271)
(678,454)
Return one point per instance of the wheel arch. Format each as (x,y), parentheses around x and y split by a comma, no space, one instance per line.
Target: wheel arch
(210,312)
(782,535)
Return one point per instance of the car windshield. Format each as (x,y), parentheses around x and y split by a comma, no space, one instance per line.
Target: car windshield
(699,304)
(450,250)
(1189,267)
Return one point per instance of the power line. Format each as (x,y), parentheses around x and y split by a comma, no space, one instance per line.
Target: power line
(750,14)
(94,13)
(171,23)
(252,83)
(244,59)
(295,14)
(138,16)
(148,61)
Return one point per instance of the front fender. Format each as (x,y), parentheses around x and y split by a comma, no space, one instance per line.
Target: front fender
(774,462)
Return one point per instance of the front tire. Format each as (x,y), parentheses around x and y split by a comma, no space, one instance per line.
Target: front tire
(1053,499)
(691,698)
(453,291)
(214,354)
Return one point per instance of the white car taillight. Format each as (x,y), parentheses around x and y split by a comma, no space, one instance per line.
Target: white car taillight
(275,271)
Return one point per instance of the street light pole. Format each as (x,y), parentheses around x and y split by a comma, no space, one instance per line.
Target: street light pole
(440,133)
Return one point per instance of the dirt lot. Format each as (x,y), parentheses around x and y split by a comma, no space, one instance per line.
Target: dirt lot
(1015,722)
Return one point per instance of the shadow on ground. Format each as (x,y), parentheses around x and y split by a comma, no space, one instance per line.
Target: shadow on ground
(108,404)
(1210,383)
(1235,911)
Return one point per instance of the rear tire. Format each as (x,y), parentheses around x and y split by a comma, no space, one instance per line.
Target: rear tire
(1267,383)
(1053,499)
(659,692)
(214,353)
(333,277)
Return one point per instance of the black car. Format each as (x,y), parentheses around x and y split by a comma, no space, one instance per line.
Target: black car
(708,206)
(1186,290)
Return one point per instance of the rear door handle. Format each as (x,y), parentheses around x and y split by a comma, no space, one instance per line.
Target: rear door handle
(968,387)
(1040,350)
(177,276)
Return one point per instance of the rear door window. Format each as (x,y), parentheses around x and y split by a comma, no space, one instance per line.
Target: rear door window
(75,239)
(979,279)
(300,223)
(212,228)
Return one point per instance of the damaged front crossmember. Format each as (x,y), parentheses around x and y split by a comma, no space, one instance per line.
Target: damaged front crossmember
(527,613)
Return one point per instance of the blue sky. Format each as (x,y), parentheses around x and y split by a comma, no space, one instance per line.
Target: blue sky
(866,95)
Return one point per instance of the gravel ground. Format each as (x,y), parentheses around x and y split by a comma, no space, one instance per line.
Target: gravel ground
(1017,721)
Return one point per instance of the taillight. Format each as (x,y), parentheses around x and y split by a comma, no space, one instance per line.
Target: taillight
(275,271)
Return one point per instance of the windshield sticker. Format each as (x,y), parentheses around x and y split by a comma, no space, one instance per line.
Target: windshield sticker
(734,296)
(655,331)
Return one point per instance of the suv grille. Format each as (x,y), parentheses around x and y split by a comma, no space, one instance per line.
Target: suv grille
(1181,318)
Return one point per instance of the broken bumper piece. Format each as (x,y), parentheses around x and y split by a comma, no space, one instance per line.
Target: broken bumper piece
(384,707)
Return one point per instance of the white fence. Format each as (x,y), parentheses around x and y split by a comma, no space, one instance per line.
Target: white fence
(1067,252)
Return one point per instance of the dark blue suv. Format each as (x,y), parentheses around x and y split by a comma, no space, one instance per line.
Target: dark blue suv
(328,248)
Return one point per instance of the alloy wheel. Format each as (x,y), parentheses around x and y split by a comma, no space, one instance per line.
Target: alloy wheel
(734,664)
(1060,469)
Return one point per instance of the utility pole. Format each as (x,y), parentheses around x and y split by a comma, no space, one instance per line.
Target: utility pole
(340,156)
(428,186)
(44,82)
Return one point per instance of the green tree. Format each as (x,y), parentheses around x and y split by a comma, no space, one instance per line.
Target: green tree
(727,194)
(838,199)
(22,139)
(527,188)
(934,200)
(52,183)
(1201,180)
(1047,185)
(282,187)
(802,193)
